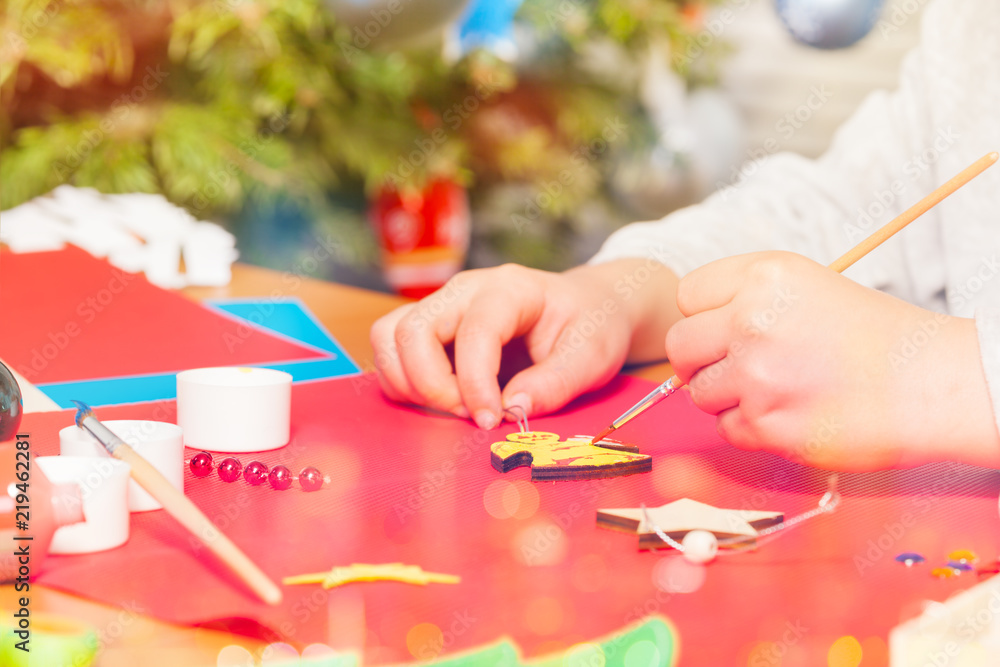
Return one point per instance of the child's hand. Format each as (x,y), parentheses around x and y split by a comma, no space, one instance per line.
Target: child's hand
(801,361)
(578,328)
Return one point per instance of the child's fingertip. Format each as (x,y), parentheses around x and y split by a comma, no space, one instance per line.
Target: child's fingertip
(486,420)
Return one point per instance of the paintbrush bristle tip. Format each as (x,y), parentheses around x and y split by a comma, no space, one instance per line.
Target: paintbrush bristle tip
(82,411)
(600,436)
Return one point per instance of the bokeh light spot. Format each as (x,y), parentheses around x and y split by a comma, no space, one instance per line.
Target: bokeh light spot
(235,656)
(875,651)
(424,641)
(673,574)
(279,654)
(527,499)
(763,654)
(504,500)
(540,544)
(510,500)
(319,655)
(496,499)
(845,652)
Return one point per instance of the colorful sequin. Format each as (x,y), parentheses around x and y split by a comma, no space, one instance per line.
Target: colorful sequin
(963,556)
(909,559)
(944,572)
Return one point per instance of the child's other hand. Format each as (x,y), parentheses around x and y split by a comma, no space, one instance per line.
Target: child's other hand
(796,359)
(578,328)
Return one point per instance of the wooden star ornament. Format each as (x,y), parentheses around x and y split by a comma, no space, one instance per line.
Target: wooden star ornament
(680,517)
(574,458)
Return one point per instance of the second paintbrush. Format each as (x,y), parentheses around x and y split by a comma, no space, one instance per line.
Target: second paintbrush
(180,507)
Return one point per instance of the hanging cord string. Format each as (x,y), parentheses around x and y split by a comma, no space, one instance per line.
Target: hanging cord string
(827,504)
(521,419)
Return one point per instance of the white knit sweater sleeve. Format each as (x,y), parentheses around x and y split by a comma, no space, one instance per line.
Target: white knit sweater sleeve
(895,149)
(817,208)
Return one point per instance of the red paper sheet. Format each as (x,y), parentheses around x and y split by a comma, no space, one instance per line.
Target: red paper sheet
(69,316)
(409,487)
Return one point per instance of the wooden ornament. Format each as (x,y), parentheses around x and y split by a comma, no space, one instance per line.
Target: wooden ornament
(338,576)
(680,517)
(574,458)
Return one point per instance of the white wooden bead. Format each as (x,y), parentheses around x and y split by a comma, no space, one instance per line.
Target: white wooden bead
(700,546)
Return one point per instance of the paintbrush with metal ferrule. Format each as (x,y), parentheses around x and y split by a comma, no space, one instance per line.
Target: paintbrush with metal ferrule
(180,507)
(850,257)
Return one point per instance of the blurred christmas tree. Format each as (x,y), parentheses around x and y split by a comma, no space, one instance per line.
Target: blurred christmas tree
(229,105)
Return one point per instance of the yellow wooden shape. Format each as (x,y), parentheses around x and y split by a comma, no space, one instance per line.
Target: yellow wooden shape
(573,458)
(337,576)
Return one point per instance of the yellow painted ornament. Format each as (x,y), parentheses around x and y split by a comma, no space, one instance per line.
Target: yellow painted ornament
(574,458)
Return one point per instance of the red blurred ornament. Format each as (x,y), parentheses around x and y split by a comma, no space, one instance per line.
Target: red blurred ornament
(424,235)
(693,16)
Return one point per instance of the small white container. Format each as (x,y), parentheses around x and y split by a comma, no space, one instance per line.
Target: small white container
(234,409)
(160,443)
(103,483)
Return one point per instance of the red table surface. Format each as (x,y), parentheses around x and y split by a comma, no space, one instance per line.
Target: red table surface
(408,486)
(69,316)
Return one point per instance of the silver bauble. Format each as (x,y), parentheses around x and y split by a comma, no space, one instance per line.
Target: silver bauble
(829,24)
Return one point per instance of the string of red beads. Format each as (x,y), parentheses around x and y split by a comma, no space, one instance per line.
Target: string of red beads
(280,477)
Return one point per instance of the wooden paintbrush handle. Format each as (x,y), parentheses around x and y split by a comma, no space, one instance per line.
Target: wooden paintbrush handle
(187,513)
(909,215)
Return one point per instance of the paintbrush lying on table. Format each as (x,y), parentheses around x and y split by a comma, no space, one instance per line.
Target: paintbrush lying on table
(180,507)
(849,258)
